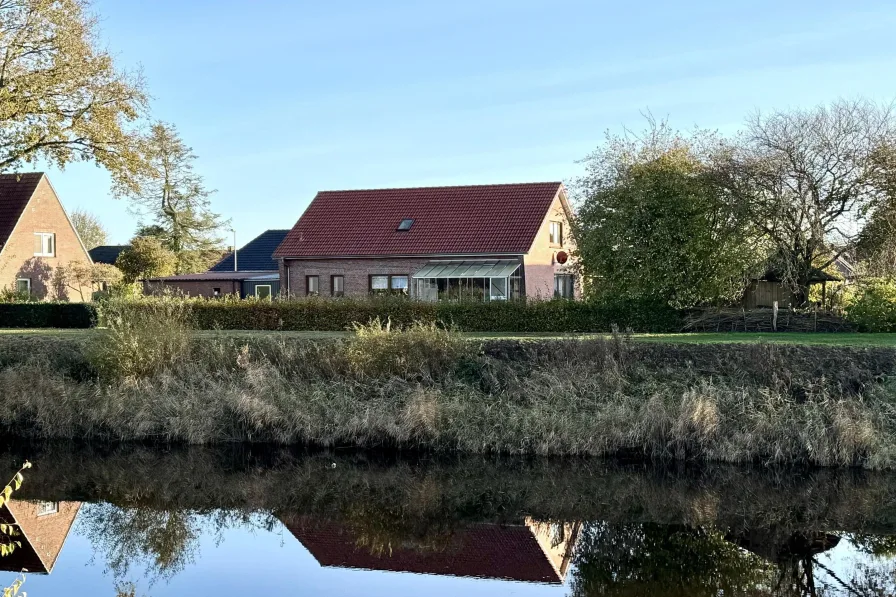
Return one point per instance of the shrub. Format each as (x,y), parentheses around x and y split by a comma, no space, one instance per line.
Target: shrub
(142,337)
(874,307)
(47,315)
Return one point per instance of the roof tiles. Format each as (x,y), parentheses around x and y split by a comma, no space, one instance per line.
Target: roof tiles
(15,193)
(462,220)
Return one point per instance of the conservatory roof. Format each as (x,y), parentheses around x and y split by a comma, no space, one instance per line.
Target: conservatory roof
(486,268)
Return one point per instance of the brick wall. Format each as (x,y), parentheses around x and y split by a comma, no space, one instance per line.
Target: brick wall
(356,272)
(539,261)
(44,213)
(47,533)
(205,288)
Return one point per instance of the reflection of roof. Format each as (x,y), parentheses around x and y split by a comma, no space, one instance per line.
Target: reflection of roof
(211,276)
(462,220)
(106,253)
(41,535)
(480,551)
(254,255)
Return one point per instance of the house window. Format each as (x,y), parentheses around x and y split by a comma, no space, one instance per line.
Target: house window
(405,224)
(337,285)
(312,285)
(398,284)
(263,291)
(44,244)
(23,286)
(564,286)
(47,508)
(379,284)
(557,233)
(216,291)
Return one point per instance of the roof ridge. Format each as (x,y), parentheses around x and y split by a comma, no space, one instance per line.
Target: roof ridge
(435,187)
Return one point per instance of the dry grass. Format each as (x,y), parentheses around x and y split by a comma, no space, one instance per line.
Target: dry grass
(425,388)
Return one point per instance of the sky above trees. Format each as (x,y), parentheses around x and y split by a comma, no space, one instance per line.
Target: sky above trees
(280,99)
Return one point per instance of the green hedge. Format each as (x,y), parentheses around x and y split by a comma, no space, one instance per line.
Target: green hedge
(47,315)
(511,316)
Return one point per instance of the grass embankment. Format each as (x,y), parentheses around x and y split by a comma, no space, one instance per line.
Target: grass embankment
(427,388)
(809,339)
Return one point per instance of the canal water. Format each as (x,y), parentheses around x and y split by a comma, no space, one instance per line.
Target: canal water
(145,521)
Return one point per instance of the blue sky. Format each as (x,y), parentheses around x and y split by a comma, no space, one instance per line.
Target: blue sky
(280,99)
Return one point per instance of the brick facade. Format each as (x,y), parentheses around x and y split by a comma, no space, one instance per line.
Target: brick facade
(43,213)
(204,288)
(356,272)
(44,533)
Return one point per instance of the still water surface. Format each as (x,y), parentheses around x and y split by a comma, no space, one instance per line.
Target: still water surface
(143,521)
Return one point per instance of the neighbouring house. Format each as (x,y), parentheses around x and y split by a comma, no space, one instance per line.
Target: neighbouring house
(42,530)
(768,289)
(485,242)
(531,552)
(107,253)
(247,272)
(36,236)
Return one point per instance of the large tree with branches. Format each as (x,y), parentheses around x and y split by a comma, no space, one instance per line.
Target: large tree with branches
(808,180)
(61,97)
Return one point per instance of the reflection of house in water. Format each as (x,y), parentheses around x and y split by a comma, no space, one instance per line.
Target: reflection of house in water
(42,529)
(537,552)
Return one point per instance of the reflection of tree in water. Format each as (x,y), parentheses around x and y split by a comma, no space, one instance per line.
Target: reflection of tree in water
(671,561)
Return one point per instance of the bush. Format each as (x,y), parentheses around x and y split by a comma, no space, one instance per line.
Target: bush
(874,307)
(142,337)
(47,315)
(512,316)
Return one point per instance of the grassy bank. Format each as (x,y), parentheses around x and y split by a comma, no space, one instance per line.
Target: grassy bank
(427,388)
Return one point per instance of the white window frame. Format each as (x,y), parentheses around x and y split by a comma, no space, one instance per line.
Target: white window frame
(377,276)
(308,279)
(404,289)
(333,290)
(559,240)
(43,236)
(268,286)
(47,508)
(27,281)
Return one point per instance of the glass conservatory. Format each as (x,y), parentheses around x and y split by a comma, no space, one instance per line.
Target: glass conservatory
(481,280)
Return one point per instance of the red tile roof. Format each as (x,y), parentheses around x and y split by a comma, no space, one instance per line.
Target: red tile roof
(479,551)
(15,193)
(469,220)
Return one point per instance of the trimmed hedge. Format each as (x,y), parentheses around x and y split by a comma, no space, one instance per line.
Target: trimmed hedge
(47,315)
(511,316)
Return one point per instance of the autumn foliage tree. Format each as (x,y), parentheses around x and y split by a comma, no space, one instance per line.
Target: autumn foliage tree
(146,257)
(62,99)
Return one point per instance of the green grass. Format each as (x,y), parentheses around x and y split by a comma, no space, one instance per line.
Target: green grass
(831,339)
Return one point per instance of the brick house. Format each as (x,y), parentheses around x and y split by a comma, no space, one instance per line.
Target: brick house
(489,242)
(36,236)
(42,530)
(247,272)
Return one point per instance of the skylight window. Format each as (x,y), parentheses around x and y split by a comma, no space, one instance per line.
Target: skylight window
(406,224)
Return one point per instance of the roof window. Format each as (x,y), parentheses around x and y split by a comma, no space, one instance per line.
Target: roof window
(405,224)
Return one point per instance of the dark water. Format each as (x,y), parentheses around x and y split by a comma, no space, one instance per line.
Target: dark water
(142,521)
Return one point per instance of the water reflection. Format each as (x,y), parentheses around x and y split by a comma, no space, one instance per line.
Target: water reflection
(157,522)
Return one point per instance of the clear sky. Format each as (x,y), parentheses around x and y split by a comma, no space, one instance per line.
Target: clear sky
(282,98)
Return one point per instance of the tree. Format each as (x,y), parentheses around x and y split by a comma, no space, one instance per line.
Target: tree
(78,276)
(188,261)
(145,258)
(876,243)
(652,223)
(89,228)
(61,97)
(807,180)
(173,195)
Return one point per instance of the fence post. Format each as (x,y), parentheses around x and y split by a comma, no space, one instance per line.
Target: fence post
(775,316)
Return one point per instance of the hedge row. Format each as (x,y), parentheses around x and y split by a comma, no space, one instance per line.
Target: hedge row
(47,315)
(511,316)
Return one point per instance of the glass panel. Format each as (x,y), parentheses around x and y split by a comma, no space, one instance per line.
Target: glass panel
(379,282)
(263,291)
(23,286)
(313,284)
(51,244)
(498,289)
(399,283)
(338,288)
(564,285)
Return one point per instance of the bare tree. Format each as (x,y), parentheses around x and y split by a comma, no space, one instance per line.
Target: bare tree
(89,228)
(808,179)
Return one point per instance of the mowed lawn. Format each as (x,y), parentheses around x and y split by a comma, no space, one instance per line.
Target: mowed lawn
(833,339)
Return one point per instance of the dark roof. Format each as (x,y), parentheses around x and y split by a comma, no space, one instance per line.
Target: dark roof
(106,253)
(479,551)
(256,255)
(468,220)
(816,276)
(15,193)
